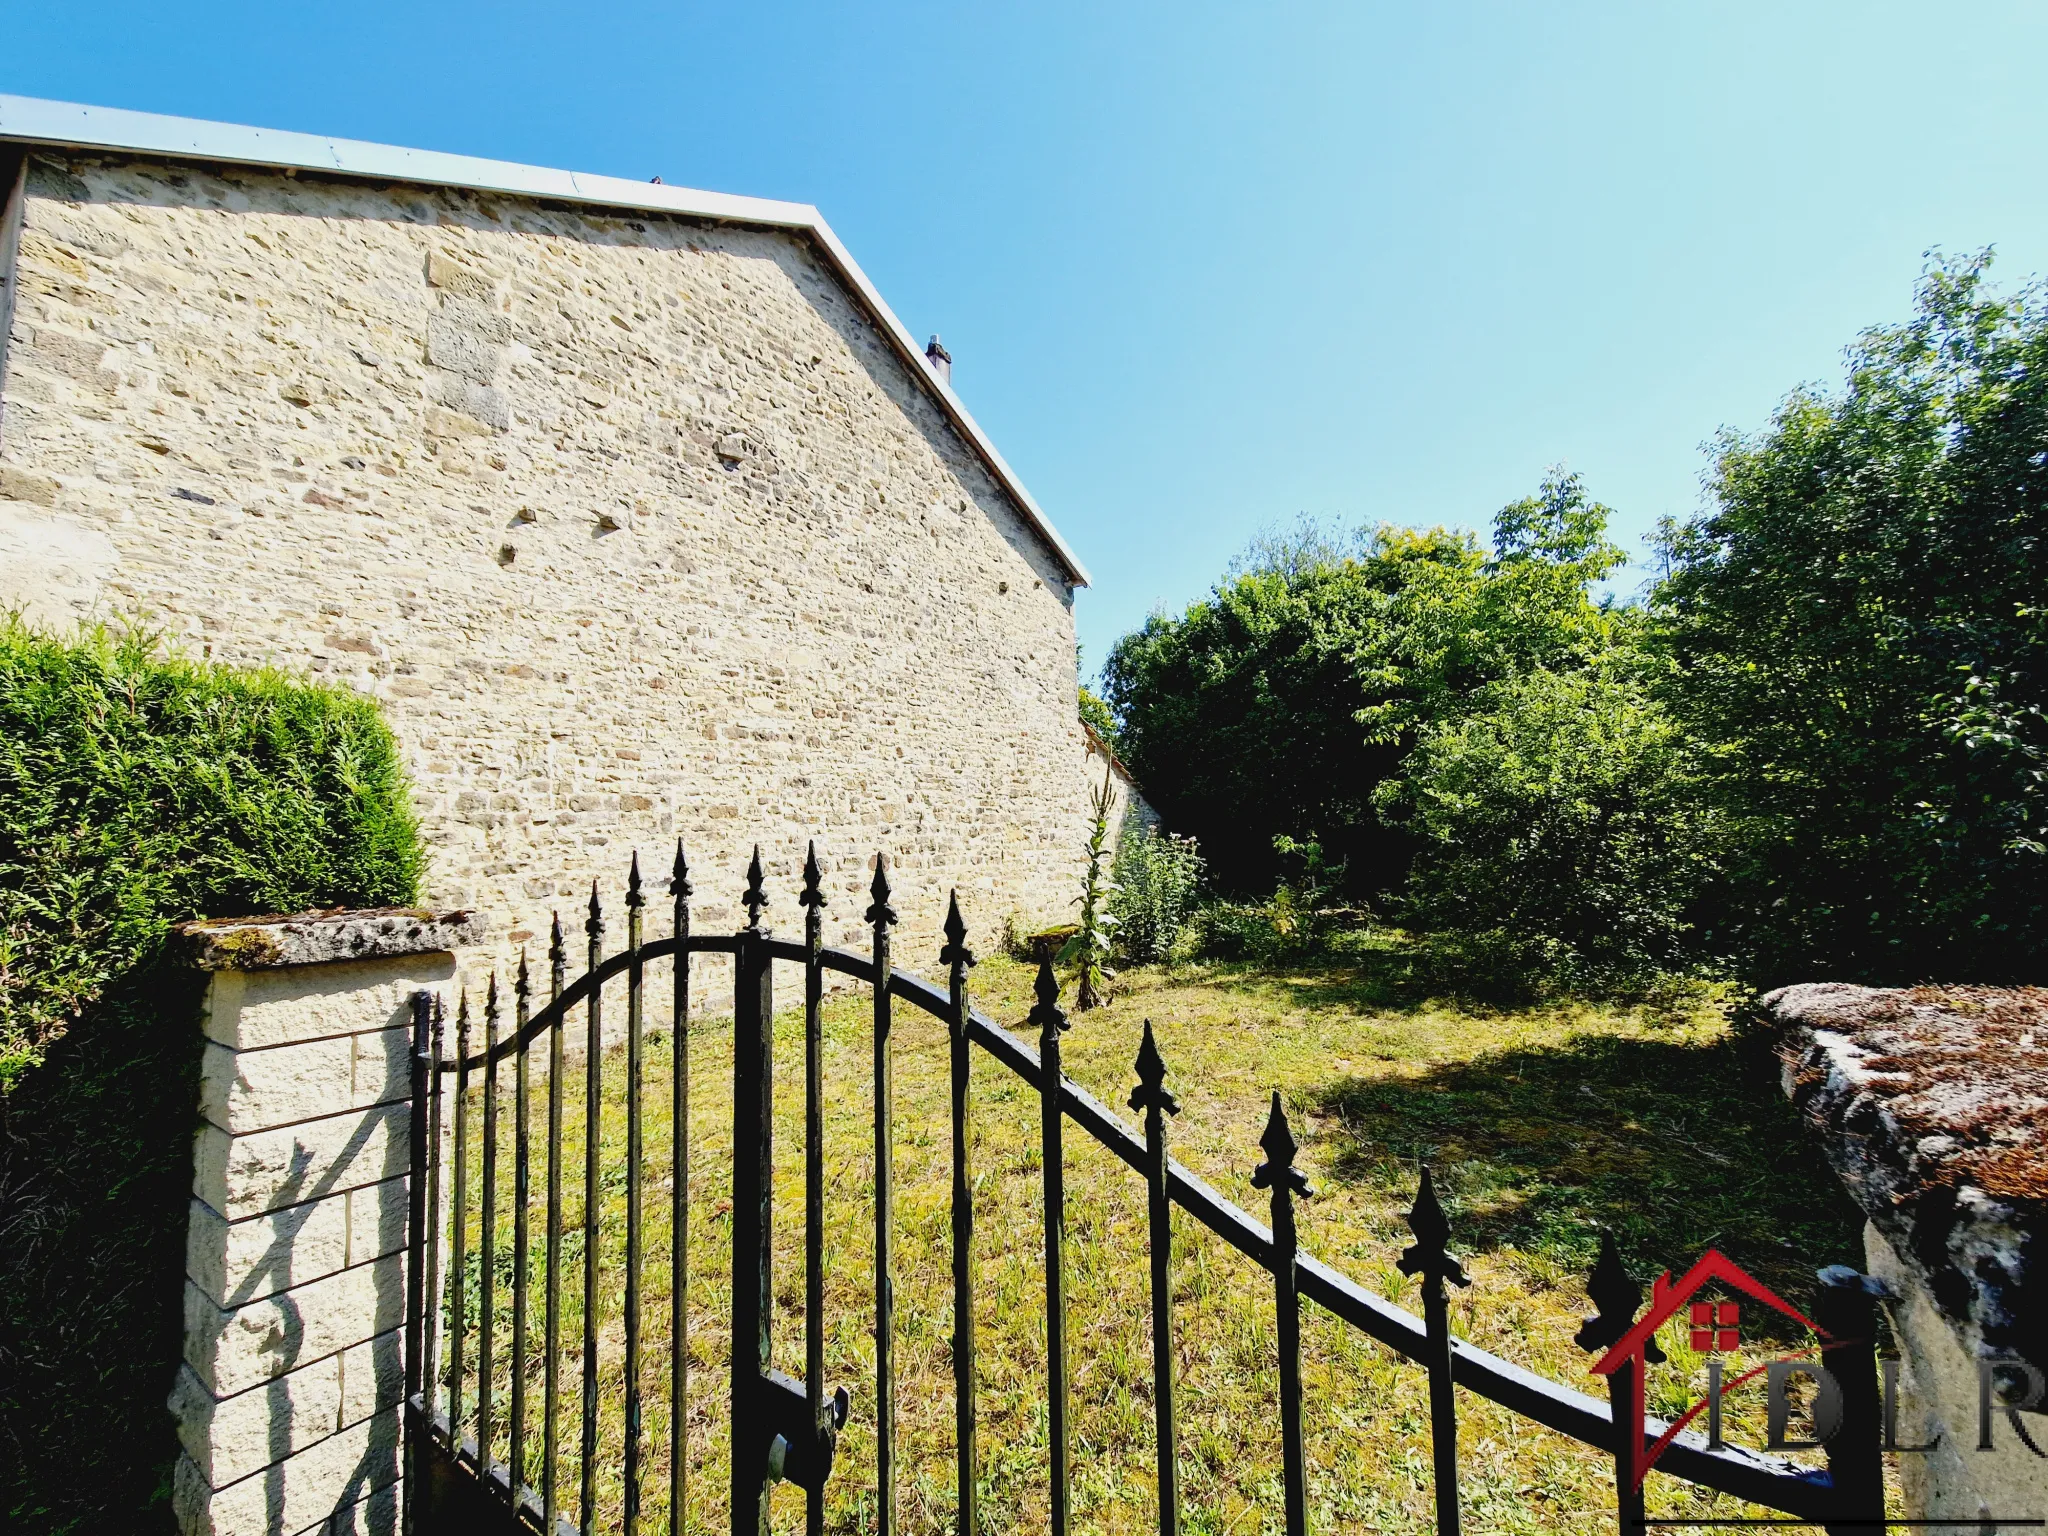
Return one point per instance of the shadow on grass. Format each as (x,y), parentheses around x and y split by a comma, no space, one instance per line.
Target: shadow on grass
(1678,1146)
(1377,975)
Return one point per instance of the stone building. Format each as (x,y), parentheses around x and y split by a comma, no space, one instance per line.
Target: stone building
(636,508)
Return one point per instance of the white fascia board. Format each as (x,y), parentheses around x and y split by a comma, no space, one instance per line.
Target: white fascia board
(28,120)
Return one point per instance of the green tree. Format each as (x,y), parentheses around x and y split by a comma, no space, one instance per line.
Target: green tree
(1857,626)
(1278,704)
(1560,821)
(1096,716)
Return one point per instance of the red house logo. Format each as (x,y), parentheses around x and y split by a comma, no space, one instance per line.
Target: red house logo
(1715,1326)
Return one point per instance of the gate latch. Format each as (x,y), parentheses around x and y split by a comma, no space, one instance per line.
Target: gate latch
(799,1451)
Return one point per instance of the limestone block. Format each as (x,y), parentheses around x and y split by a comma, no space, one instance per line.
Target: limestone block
(249,1010)
(232,1263)
(461,350)
(247,1260)
(377,1215)
(230,1437)
(372,1376)
(256,1090)
(444,271)
(20,485)
(325,1480)
(231,1351)
(377,1514)
(481,402)
(242,1176)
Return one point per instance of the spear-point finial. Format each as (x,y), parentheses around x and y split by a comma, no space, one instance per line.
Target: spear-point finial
(491,1001)
(462,1023)
(595,926)
(633,896)
(1430,1254)
(1278,1170)
(524,984)
(757,890)
(679,877)
(1151,1089)
(1615,1297)
(814,879)
(1047,1013)
(955,950)
(879,912)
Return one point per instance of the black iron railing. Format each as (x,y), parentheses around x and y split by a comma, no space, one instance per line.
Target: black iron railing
(464,1464)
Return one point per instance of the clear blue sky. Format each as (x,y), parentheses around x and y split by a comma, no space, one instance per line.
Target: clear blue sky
(1204,267)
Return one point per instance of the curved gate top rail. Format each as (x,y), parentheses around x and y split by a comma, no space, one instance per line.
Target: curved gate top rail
(783,1428)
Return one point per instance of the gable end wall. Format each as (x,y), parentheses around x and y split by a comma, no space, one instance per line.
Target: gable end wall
(634,525)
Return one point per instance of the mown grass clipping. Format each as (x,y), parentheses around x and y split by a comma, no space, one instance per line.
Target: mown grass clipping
(138,790)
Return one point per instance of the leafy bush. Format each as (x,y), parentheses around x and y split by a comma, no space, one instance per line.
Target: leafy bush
(1157,875)
(1279,703)
(1859,634)
(1236,930)
(1561,829)
(1096,716)
(1299,920)
(135,792)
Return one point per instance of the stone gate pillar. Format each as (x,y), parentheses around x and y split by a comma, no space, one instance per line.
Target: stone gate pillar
(287,1401)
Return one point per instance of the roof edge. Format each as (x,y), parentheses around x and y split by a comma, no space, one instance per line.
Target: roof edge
(69,125)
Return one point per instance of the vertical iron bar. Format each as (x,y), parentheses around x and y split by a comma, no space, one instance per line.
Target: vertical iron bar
(431,1387)
(1051,1021)
(1615,1298)
(1151,1096)
(460,1198)
(1279,1174)
(753,1192)
(1430,1257)
(956,957)
(1628,1498)
(882,915)
(635,975)
(487,1310)
(593,1115)
(416,1244)
(1844,1308)
(679,1210)
(522,1193)
(813,902)
(551,1367)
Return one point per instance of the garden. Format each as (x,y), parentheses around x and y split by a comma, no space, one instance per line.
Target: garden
(1479,862)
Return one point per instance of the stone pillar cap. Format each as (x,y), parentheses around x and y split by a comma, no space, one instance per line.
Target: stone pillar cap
(272,942)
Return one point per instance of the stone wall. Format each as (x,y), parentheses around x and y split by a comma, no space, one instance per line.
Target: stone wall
(634,524)
(287,1403)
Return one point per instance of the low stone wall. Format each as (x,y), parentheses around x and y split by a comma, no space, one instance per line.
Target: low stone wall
(288,1399)
(1932,1103)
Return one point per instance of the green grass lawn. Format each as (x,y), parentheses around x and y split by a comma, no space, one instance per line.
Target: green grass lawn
(1543,1125)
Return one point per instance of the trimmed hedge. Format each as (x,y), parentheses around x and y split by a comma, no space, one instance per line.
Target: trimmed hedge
(136,791)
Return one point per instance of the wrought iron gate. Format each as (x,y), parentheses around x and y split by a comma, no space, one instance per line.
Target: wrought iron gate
(475,1462)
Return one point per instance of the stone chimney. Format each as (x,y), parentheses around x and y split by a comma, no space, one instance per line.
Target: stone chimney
(940,359)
